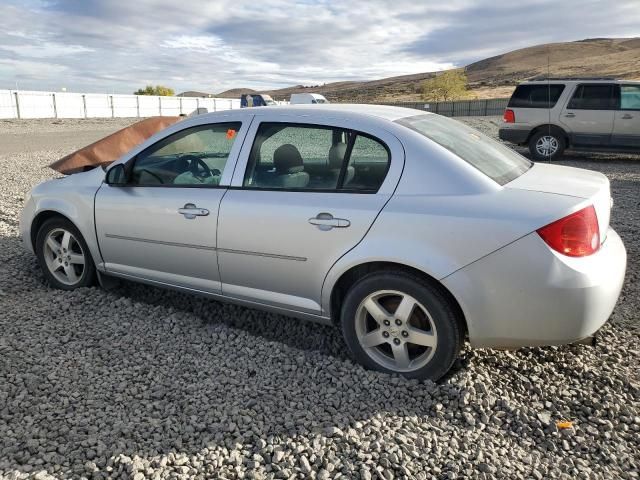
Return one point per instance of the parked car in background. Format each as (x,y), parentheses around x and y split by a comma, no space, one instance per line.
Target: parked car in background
(256,100)
(554,114)
(407,230)
(307,98)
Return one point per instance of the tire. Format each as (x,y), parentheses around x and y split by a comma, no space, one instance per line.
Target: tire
(551,141)
(433,322)
(64,256)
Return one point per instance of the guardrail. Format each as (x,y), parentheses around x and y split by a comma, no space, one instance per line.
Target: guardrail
(33,104)
(460,108)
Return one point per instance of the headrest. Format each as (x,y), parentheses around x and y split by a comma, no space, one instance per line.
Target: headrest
(336,155)
(287,159)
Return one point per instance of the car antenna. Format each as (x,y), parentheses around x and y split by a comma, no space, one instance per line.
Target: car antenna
(549,96)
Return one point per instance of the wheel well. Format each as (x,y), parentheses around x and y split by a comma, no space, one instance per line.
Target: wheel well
(39,220)
(348,278)
(554,128)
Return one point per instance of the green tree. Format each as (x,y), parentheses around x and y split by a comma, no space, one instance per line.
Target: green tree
(157,90)
(445,86)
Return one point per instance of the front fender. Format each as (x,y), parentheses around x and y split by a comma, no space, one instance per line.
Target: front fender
(71,197)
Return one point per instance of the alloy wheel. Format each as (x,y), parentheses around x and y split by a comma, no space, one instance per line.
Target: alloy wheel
(396,331)
(547,145)
(64,256)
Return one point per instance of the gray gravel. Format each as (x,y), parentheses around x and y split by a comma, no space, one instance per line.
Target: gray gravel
(142,383)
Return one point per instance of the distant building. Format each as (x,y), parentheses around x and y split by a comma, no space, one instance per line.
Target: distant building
(192,93)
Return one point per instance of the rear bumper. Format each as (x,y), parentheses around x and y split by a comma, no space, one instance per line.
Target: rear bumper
(513,135)
(525,294)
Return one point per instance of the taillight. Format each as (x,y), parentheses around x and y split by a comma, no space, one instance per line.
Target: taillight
(576,235)
(509,116)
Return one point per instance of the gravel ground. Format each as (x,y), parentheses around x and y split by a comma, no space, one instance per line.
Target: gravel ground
(144,383)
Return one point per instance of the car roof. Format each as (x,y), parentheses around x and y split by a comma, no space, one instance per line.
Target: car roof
(385,112)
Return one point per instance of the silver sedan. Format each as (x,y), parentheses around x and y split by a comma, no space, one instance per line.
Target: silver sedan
(409,231)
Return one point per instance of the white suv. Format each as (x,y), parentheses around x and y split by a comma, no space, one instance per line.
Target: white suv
(554,114)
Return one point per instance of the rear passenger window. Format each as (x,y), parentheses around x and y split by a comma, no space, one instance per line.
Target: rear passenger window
(536,96)
(309,157)
(594,97)
(630,97)
(368,165)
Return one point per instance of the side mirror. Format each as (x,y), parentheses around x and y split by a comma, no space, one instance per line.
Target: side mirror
(117,176)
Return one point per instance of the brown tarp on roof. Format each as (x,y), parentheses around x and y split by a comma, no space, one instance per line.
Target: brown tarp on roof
(112,147)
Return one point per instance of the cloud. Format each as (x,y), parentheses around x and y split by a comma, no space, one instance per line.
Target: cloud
(121,45)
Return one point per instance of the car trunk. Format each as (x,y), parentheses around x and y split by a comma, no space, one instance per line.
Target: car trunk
(574,182)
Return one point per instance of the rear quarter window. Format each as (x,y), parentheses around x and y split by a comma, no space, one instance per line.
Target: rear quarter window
(536,96)
(493,159)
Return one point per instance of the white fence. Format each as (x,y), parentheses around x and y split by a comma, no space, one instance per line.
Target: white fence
(31,104)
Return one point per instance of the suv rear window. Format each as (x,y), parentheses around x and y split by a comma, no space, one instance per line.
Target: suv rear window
(536,96)
(496,161)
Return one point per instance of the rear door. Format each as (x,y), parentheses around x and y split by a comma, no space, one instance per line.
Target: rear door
(588,116)
(302,196)
(626,129)
(161,226)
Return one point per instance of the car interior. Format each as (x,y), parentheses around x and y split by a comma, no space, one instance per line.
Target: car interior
(196,156)
(313,159)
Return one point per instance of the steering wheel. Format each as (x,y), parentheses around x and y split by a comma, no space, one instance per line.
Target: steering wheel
(194,167)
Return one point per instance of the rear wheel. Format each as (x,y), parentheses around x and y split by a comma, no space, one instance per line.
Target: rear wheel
(400,323)
(63,255)
(547,145)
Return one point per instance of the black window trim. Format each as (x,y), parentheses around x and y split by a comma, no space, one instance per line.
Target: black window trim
(615,99)
(130,164)
(353,134)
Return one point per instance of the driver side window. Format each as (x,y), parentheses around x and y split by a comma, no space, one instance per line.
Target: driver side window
(194,157)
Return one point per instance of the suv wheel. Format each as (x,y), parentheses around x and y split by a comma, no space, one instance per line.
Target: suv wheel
(546,145)
(399,323)
(64,256)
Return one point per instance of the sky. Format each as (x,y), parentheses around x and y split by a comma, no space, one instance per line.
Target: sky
(118,46)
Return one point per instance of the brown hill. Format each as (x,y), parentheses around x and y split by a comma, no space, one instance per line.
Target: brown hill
(496,76)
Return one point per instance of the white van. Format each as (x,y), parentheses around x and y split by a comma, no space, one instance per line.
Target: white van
(297,98)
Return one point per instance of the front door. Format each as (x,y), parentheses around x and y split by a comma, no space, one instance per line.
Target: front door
(308,194)
(161,226)
(588,116)
(626,129)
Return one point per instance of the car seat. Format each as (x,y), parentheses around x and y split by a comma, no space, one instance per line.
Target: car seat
(289,168)
(336,158)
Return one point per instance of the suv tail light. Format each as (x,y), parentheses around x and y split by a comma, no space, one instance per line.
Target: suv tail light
(509,116)
(576,235)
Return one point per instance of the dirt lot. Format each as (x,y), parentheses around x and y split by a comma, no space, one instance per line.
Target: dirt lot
(143,383)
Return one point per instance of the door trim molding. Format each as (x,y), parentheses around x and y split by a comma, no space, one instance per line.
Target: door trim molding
(204,247)
(160,242)
(263,254)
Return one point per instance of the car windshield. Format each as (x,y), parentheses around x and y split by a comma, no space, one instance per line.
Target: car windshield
(496,161)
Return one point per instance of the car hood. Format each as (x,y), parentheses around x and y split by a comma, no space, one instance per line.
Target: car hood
(112,147)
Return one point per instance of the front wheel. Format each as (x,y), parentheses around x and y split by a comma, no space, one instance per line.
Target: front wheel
(64,255)
(399,323)
(546,145)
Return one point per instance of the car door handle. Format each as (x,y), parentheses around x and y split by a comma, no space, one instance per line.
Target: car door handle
(326,221)
(627,116)
(570,115)
(190,211)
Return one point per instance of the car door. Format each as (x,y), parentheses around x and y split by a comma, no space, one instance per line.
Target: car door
(588,116)
(626,128)
(303,194)
(160,225)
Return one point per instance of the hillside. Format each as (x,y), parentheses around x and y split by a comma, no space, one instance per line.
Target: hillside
(496,76)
